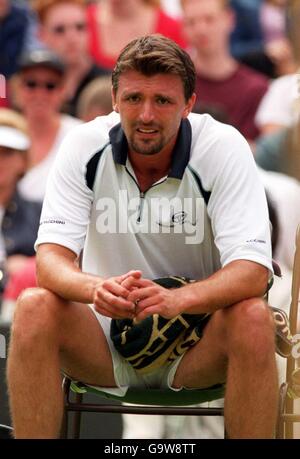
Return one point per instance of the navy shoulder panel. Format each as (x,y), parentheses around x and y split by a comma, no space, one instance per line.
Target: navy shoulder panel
(91,168)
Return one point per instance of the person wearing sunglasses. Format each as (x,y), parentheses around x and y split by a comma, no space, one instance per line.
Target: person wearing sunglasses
(39,90)
(63,28)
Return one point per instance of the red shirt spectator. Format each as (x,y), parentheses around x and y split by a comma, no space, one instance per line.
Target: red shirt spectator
(237,96)
(164,24)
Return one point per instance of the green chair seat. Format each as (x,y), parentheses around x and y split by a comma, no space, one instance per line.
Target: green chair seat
(166,397)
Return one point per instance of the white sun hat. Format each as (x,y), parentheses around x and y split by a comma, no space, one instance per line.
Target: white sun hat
(11,137)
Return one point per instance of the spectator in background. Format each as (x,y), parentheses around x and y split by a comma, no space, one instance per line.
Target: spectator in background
(63,29)
(222,82)
(278,108)
(247,35)
(17,33)
(95,99)
(259,38)
(19,218)
(279,151)
(113,23)
(39,89)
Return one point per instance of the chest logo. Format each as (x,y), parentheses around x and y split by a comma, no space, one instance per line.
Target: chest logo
(178,218)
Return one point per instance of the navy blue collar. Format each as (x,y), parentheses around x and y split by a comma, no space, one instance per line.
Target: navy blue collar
(181,152)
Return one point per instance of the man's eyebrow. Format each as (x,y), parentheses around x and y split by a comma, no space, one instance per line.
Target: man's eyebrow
(131,93)
(164,96)
(139,93)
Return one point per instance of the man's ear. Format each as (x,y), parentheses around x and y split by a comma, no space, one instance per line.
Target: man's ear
(114,100)
(189,106)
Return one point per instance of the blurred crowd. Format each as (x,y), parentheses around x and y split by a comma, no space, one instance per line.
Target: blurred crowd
(56,57)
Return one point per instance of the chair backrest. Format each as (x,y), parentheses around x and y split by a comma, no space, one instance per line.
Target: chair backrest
(290,389)
(294,308)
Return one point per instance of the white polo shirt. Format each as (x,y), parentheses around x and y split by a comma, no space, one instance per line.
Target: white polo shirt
(210,209)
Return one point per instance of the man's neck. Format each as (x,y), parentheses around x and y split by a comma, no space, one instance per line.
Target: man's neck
(217,67)
(149,169)
(45,127)
(125,10)
(80,67)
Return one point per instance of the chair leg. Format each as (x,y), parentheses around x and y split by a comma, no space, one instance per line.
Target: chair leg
(281,409)
(289,427)
(77,419)
(64,427)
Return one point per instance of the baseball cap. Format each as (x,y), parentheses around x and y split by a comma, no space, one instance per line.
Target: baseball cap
(41,58)
(11,137)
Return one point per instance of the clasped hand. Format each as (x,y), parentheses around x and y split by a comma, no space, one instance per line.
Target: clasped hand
(131,296)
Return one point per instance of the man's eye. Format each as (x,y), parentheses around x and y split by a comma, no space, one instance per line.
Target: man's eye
(133,98)
(162,101)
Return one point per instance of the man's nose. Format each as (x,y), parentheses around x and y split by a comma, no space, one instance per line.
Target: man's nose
(147,113)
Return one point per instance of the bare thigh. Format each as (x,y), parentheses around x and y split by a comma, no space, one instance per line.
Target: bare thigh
(45,324)
(205,364)
(85,353)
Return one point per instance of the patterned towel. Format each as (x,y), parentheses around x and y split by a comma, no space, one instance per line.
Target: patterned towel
(156,341)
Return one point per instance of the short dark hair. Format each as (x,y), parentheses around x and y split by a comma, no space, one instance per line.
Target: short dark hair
(153,54)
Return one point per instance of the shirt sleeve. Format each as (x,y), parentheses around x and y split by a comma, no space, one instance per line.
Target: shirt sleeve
(237,206)
(67,204)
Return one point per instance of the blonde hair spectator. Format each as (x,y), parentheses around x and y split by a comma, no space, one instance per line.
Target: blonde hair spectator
(11,118)
(95,99)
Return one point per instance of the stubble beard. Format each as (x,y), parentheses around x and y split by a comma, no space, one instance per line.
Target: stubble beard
(146,147)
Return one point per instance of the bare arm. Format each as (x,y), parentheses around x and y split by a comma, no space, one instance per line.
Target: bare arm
(58,271)
(235,282)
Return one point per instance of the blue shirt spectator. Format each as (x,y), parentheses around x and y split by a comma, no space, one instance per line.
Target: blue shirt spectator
(17,33)
(247,35)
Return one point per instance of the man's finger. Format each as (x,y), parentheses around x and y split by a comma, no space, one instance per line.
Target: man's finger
(134,273)
(113,300)
(141,293)
(132,282)
(115,288)
(137,283)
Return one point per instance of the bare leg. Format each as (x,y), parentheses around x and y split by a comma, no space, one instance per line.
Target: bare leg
(48,334)
(238,347)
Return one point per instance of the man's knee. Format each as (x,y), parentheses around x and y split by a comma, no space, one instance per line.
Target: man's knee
(36,315)
(250,328)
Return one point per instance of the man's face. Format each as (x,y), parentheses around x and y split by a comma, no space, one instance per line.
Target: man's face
(41,91)
(151,110)
(207,25)
(64,30)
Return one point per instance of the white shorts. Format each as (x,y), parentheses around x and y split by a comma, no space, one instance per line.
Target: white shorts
(126,376)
